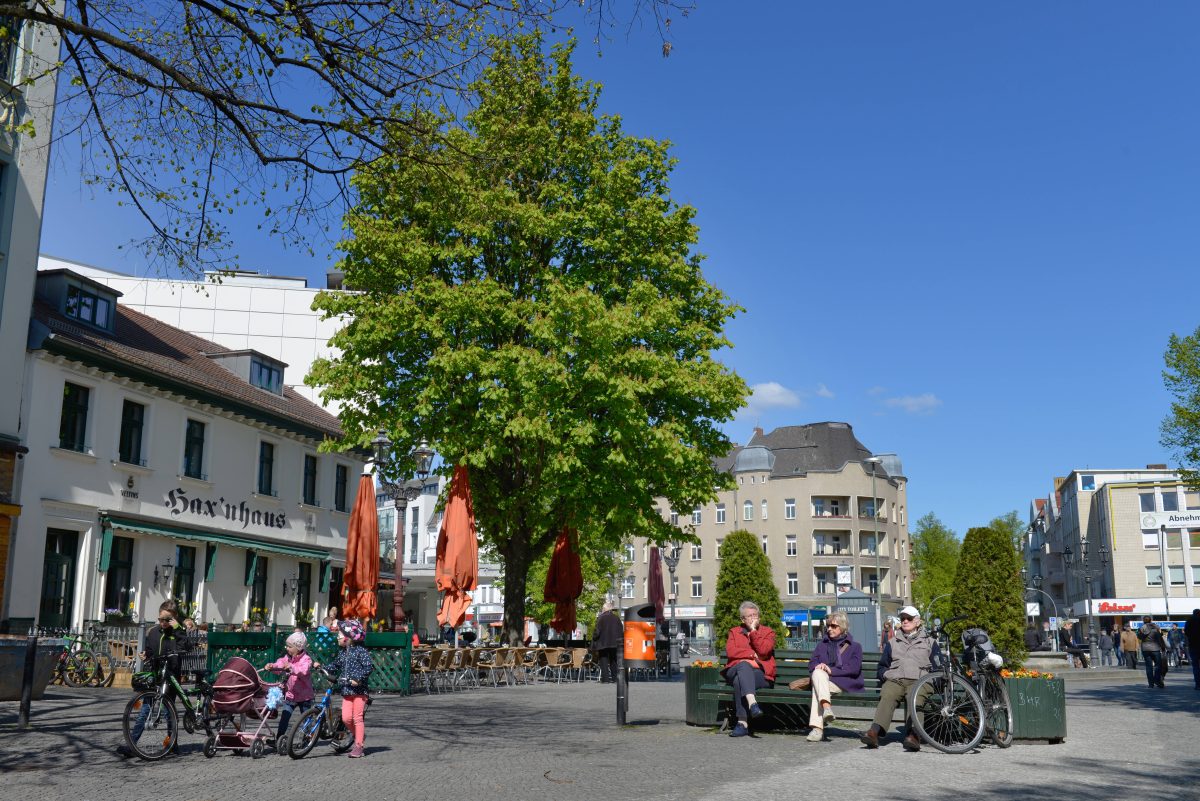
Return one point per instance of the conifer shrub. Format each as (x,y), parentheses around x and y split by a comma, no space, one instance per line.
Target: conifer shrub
(745,575)
(988,592)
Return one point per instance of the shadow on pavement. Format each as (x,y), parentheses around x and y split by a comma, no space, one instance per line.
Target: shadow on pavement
(1179,697)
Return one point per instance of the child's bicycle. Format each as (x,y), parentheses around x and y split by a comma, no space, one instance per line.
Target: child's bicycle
(319,722)
(160,733)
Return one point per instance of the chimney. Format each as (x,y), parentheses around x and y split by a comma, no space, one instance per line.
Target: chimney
(758,432)
(1156,467)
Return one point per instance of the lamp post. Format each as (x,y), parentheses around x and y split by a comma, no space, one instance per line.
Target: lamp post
(1068,558)
(402,494)
(873,461)
(671,557)
(1166,579)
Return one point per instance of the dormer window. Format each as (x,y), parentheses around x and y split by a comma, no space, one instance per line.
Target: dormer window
(266,376)
(89,307)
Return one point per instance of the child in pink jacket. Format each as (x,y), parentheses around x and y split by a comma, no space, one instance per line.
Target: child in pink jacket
(298,689)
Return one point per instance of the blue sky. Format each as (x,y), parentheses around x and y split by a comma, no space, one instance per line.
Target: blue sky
(965,229)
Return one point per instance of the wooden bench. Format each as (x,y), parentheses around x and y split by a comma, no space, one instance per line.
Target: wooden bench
(789,708)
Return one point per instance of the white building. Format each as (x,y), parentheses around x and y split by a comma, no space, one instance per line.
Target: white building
(163,465)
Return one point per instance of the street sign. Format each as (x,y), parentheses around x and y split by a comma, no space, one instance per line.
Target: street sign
(1033,609)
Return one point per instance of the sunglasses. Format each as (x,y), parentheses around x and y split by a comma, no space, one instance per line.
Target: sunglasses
(906,617)
(832,626)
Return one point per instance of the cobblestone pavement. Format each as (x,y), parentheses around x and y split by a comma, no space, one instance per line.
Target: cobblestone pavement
(561,742)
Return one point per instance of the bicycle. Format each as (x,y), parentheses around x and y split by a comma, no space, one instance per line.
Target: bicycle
(154,706)
(984,669)
(317,723)
(77,665)
(945,708)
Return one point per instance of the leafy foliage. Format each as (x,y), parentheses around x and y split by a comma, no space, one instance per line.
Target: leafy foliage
(193,110)
(534,309)
(1011,524)
(745,575)
(934,562)
(1181,428)
(597,566)
(988,591)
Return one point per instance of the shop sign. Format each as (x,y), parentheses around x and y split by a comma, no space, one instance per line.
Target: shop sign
(1156,520)
(1108,608)
(180,503)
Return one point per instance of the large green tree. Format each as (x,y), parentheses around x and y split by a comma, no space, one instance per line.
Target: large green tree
(745,575)
(1011,524)
(988,591)
(534,308)
(934,562)
(1181,428)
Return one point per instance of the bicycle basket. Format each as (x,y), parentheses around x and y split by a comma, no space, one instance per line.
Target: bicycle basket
(144,681)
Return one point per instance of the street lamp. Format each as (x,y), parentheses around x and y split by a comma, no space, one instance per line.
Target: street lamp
(671,556)
(1068,558)
(873,461)
(1037,587)
(402,494)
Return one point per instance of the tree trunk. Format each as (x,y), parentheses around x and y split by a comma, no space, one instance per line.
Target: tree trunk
(517,558)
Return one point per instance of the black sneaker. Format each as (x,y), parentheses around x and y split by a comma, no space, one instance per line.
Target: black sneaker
(125,751)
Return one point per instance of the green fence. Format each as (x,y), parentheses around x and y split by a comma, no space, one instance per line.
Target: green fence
(391,654)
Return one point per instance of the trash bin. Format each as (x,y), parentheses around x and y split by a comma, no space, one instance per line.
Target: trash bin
(640,633)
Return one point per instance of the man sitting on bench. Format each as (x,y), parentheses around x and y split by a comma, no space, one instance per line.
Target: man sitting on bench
(909,656)
(750,650)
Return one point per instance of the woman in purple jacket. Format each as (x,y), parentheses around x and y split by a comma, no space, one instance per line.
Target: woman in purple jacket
(836,666)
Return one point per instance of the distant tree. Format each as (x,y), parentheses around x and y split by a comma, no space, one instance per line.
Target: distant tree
(934,562)
(988,591)
(1181,428)
(191,110)
(745,575)
(1012,524)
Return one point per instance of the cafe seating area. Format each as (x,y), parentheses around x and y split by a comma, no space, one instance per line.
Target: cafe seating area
(447,668)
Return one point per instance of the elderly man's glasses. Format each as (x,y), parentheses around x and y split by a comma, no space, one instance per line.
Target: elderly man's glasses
(906,617)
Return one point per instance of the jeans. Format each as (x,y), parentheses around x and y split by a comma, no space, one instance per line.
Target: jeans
(1154,667)
(1194,656)
(1106,656)
(139,725)
(745,678)
(286,708)
(1120,658)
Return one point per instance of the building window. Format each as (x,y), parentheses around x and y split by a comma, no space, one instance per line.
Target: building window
(764,510)
(1191,500)
(823,581)
(258,589)
(764,543)
(1176,573)
(1195,575)
(720,513)
(629,553)
(793,583)
(674,518)
(193,450)
(790,539)
(818,507)
(88,307)
(310,480)
(304,587)
(341,478)
(789,509)
(8,49)
(129,447)
(1170,501)
(871,579)
(1146,499)
(266,376)
(697,587)
(866,543)
(748,510)
(627,586)
(118,581)
(696,553)
(1154,576)
(696,517)
(72,426)
(675,586)
(719,544)
(266,468)
(1149,539)
(1087,483)
(183,582)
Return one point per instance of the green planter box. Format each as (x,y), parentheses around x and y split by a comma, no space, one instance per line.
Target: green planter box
(1039,709)
(699,712)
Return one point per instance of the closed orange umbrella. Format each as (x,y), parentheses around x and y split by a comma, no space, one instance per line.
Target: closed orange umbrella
(655,582)
(457,567)
(564,583)
(362,554)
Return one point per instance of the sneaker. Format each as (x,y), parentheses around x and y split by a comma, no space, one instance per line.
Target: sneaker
(739,731)
(911,743)
(125,751)
(756,711)
(816,735)
(356,752)
(827,716)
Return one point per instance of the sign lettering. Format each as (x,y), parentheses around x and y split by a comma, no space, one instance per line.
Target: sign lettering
(179,502)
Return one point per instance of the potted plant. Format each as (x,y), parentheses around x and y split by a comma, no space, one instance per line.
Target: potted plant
(1039,705)
(116,617)
(304,618)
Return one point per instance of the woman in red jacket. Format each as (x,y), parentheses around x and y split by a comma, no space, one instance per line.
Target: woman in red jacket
(750,651)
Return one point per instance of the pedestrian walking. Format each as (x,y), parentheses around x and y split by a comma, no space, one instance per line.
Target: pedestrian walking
(1191,632)
(353,668)
(1106,648)
(1154,651)
(609,636)
(1129,644)
(1120,652)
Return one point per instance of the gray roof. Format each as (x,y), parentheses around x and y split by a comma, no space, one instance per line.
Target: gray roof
(800,449)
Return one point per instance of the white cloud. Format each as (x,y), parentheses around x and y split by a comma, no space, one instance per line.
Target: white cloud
(876,391)
(772,395)
(914,404)
(824,391)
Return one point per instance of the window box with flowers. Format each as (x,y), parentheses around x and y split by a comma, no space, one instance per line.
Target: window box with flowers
(117,617)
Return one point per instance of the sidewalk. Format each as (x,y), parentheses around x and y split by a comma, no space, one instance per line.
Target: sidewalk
(560,743)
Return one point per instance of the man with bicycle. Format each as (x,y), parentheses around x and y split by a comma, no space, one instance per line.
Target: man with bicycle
(910,654)
(167,640)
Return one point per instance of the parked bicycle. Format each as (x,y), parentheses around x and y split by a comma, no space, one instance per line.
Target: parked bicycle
(319,722)
(983,666)
(154,708)
(947,711)
(79,664)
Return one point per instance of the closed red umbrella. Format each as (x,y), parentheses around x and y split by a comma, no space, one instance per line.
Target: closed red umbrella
(564,583)
(457,567)
(655,582)
(362,554)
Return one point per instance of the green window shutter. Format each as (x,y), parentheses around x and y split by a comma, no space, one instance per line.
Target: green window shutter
(210,562)
(251,565)
(105,548)
(326,572)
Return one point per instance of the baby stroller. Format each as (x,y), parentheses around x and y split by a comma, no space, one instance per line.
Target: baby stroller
(240,695)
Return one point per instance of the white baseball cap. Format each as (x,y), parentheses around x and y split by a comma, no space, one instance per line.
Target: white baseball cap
(911,611)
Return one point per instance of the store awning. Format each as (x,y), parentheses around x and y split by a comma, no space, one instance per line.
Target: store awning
(803,615)
(212,537)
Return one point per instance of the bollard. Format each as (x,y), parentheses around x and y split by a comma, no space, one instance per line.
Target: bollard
(622,688)
(27,681)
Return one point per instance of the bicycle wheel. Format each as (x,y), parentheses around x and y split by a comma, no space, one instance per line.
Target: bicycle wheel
(79,669)
(341,739)
(997,710)
(948,716)
(305,733)
(160,731)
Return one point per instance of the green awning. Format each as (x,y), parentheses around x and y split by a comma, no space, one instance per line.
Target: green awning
(105,549)
(326,571)
(210,562)
(214,537)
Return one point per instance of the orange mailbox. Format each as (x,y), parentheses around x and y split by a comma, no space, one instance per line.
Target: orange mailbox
(639,644)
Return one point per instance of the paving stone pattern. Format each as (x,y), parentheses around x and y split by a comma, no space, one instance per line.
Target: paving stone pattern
(561,743)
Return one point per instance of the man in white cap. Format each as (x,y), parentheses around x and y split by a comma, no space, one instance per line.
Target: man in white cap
(907,657)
